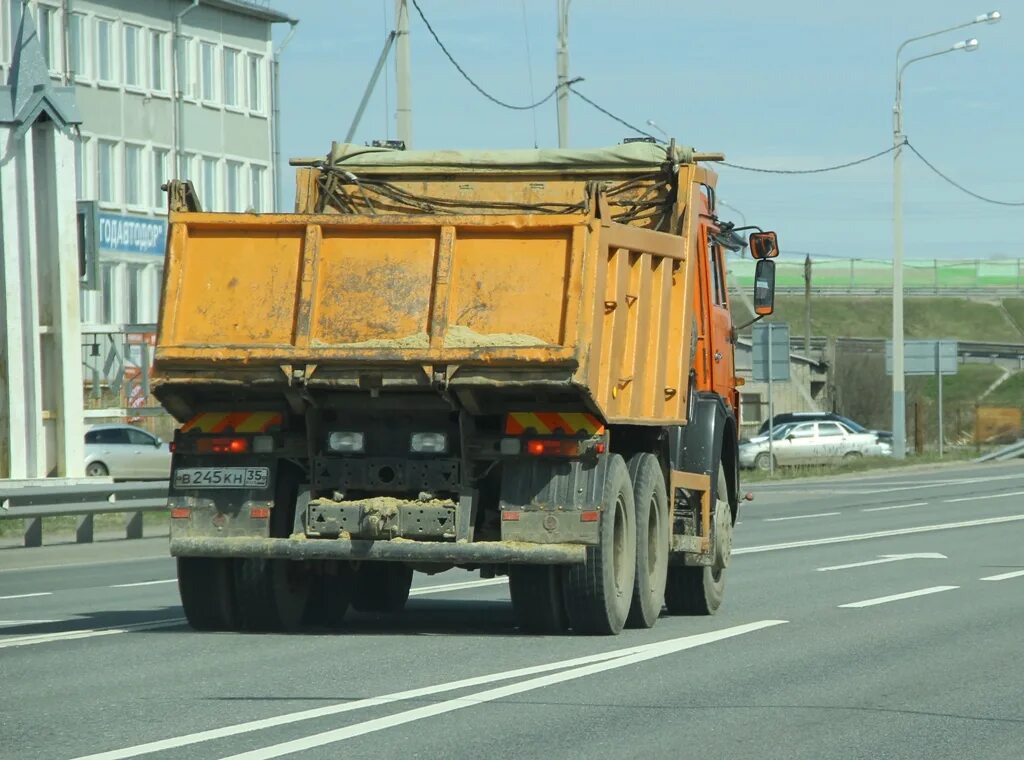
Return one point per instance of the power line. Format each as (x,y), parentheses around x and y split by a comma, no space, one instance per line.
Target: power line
(469,79)
(957,185)
(529,68)
(834,167)
(608,113)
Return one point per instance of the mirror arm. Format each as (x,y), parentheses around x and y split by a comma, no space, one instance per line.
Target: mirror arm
(745,325)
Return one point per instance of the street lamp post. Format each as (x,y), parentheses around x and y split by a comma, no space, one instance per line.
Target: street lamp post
(899,419)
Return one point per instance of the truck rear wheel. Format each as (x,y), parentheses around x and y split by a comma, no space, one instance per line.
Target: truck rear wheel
(271,593)
(381,587)
(652,540)
(598,592)
(537,599)
(330,595)
(699,590)
(206,588)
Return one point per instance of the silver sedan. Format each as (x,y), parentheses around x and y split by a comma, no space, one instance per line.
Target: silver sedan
(125,451)
(812,443)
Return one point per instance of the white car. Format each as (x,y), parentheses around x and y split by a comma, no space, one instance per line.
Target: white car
(811,443)
(125,451)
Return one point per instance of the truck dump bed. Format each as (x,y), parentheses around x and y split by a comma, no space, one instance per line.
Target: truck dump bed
(567,273)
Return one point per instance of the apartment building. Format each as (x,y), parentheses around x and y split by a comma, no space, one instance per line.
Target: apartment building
(165,88)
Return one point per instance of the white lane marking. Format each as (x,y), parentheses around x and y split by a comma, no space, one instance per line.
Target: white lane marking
(800,517)
(883,559)
(88,633)
(1004,576)
(898,597)
(26,596)
(876,534)
(143,583)
(896,506)
(344,707)
(650,652)
(987,496)
(15,623)
(882,488)
(456,586)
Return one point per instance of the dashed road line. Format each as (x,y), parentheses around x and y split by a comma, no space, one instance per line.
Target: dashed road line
(439,589)
(801,517)
(896,506)
(88,633)
(143,583)
(1004,576)
(27,596)
(987,496)
(897,597)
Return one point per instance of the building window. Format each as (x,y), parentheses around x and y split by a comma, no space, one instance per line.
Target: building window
(83,187)
(49,36)
(78,29)
(750,407)
(255,83)
(160,160)
(106,162)
(133,182)
(206,69)
(188,169)
(209,195)
(230,77)
(234,186)
(256,188)
(132,35)
(157,59)
(104,50)
(134,294)
(107,288)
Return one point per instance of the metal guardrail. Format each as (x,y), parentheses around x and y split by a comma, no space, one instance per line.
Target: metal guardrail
(1013,451)
(85,501)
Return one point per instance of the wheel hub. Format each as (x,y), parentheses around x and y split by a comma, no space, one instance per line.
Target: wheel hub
(723,535)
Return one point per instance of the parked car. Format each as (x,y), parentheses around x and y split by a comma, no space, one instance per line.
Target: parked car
(822,442)
(125,451)
(882,435)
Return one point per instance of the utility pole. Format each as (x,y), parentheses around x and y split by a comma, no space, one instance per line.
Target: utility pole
(402,75)
(562,63)
(807,305)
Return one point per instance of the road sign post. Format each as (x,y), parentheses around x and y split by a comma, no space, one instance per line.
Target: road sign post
(770,354)
(928,357)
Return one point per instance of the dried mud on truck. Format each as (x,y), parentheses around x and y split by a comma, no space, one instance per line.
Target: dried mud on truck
(516,362)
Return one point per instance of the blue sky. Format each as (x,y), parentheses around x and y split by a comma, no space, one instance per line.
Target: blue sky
(780,84)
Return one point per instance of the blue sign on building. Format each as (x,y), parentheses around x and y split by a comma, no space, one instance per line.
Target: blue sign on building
(132,234)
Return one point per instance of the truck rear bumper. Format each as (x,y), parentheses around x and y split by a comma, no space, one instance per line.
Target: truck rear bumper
(481,552)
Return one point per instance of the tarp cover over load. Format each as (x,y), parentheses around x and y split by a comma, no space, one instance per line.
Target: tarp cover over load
(632,154)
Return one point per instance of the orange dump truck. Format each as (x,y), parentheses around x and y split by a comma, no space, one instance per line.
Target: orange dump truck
(518,362)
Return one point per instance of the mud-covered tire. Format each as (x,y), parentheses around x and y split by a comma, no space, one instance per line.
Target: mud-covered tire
(537,600)
(652,540)
(330,595)
(381,587)
(206,587)
(598,592)
(698,590)
(271,593)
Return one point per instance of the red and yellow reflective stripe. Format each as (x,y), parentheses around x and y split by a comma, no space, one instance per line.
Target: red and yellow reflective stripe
(233,422)
(550,423)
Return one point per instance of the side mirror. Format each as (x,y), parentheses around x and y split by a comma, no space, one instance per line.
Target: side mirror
(790,436)
(158,442)
(763,245)
(764,287)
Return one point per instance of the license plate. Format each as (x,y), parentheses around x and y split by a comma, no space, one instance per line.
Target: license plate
(222,477)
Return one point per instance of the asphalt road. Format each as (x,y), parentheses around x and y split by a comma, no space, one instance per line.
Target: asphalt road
(871,616)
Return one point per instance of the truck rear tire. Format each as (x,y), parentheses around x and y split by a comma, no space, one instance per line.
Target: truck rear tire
(698,590)
(330,595)
(537,599)
(207,593)
(652,540)
(381,587)
(598,592)
(271,593)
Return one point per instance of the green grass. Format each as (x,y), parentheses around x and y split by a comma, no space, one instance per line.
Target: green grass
(1010,393)
(864,464)
(152,523)
(962,388)
(924,317)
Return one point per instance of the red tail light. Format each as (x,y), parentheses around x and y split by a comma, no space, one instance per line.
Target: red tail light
(222,445)
(553,447)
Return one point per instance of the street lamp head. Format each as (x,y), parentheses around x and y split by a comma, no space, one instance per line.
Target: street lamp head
(966,45)
(991,17)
